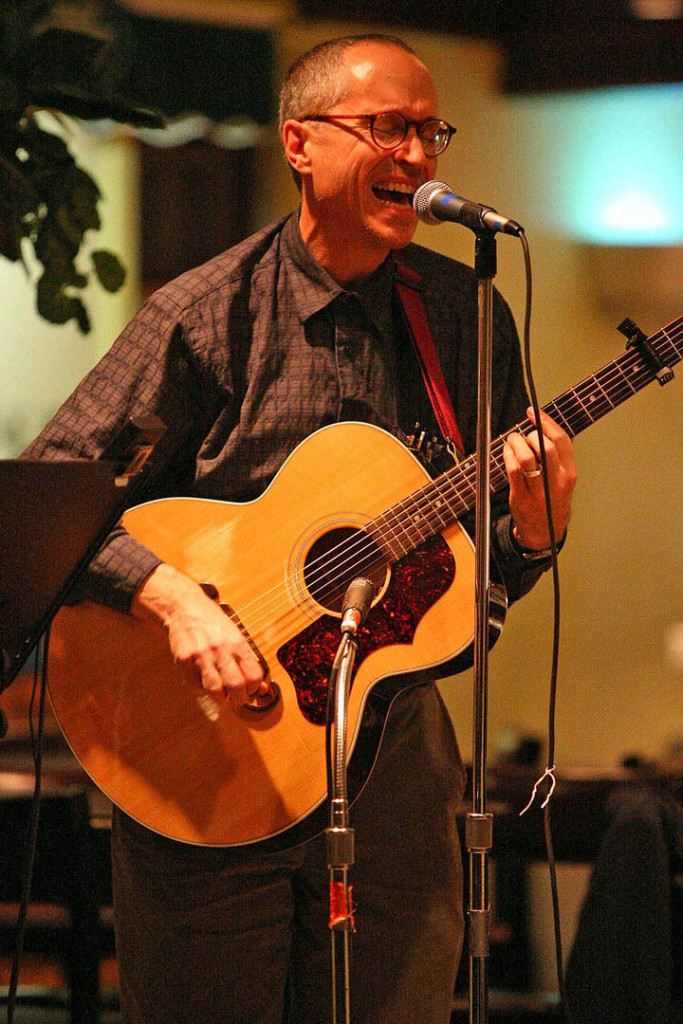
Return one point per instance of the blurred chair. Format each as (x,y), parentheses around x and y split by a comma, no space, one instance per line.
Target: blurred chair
(70,887)
(626,963)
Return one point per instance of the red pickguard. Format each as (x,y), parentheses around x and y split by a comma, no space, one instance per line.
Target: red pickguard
(417,582)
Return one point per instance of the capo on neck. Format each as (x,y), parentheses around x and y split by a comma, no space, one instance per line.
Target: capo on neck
(635,337)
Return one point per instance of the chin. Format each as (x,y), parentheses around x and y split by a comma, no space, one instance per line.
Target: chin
(396,235)
(399,239)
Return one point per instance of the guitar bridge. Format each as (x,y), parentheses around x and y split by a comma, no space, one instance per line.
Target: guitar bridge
(261,699)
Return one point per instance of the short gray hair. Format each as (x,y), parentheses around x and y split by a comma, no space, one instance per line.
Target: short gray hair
(315,83)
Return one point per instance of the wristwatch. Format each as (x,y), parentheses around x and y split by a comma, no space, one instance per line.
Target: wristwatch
(531,554)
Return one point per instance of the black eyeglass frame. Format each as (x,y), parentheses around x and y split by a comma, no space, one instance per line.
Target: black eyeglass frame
(371,118)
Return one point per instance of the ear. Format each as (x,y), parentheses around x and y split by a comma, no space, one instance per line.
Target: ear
(295,137)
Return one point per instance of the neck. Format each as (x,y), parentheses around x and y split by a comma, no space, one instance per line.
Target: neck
(349,265)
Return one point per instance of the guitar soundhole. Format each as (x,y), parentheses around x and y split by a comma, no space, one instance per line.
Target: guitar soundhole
(416,582)
(336,559)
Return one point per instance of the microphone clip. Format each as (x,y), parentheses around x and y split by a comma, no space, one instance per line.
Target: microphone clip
(356,605)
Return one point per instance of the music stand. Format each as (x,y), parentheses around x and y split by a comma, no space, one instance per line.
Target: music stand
(55,516)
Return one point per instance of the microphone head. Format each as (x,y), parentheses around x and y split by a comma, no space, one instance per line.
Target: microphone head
(423,197)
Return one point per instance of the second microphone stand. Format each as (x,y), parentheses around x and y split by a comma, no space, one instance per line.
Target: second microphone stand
(340,838)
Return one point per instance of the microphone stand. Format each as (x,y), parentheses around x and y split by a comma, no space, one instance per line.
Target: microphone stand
(434,202)
(339,837)
(478,824)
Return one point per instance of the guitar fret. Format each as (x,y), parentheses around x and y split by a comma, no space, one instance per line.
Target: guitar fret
(668,334)
(498,474)
(387,538)
(584,407)
(428,517)
(416,528)
(603,392)
(596,398)
(583,418)
(440,505)
(462,488)
(592,406)
(633,369)
(553,409)
(417,518)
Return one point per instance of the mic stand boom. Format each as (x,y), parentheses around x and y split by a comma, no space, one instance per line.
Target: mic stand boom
(478,825)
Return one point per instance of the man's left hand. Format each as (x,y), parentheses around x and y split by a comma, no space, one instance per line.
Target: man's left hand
(527,496)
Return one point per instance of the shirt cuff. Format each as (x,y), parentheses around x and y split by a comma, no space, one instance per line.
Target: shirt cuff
(118,572)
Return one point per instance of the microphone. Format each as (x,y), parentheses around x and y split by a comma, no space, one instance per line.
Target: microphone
(435,201)
(356,604)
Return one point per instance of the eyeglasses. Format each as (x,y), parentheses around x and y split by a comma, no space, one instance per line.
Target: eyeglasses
(389,130)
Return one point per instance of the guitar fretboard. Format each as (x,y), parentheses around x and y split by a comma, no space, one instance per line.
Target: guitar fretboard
(439,503)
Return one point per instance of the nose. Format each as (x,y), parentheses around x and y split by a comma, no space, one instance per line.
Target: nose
(411,147)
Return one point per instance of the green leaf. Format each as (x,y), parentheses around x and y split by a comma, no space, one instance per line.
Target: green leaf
(51,247)
(13,224)
(71,229)
(82,318)
(56,305)
(45,147)
(82,195)
(10,239)
(45,198)
(109,270)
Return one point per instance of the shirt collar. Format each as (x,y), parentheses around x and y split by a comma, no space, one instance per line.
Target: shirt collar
(314,288)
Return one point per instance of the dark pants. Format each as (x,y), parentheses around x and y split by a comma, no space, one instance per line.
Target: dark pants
(216,936)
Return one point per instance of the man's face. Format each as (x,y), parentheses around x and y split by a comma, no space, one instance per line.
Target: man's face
(358,194)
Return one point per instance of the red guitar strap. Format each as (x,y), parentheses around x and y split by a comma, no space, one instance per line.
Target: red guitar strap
(408,283)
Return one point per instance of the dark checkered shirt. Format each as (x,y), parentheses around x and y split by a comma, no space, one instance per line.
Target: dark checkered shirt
(245,356)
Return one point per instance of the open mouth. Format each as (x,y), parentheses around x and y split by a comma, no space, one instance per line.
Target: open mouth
(394,193)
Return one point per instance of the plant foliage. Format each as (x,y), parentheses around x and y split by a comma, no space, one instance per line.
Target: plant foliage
(46,201)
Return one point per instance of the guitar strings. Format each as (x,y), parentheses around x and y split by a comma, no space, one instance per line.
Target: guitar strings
(613,387)
(449,486)
(588,388)
(574,399)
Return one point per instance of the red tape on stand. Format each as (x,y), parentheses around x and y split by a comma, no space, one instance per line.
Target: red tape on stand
(341,908)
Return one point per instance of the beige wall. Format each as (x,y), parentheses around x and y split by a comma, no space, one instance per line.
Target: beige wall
(621,570)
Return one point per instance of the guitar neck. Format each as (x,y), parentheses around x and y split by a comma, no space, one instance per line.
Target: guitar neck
(625,376)
(442,501)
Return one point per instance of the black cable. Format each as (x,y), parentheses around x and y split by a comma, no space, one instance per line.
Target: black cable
(546,489)
(552,698)
(559,964)
(40,670)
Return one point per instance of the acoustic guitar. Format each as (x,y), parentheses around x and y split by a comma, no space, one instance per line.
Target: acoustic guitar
(198,771)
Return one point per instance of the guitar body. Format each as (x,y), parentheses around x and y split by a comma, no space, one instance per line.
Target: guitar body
(350,501)
(200,772)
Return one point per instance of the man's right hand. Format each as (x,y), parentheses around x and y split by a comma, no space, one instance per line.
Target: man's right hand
(201,636)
